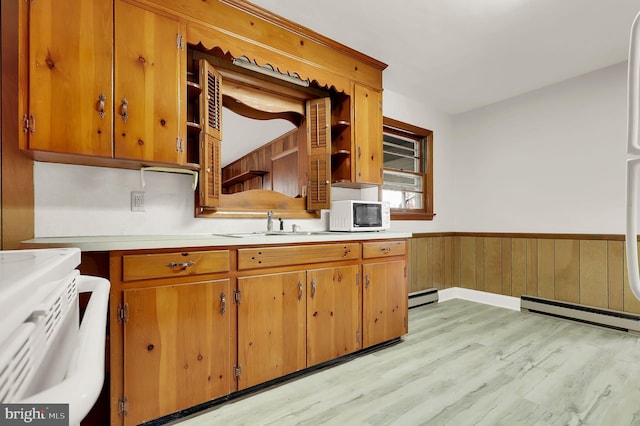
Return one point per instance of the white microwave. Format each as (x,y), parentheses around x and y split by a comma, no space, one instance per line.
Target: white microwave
(357,216)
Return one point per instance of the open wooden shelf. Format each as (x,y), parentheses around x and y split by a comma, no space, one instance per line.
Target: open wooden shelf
(244,176)
(193,90)
(193,128)
(341,153)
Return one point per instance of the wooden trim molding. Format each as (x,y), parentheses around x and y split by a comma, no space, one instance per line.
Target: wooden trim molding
(16,179)
(300,30)
(597,237)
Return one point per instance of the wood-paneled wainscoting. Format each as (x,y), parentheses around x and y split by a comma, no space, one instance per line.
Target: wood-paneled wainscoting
(585,269)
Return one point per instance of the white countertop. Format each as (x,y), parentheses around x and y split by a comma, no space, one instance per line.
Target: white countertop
(140,242)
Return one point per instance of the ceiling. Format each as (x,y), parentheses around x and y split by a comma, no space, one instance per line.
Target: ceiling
(459,55)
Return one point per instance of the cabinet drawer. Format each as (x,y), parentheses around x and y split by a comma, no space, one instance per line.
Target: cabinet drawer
(163,265)
(384,248)
(264,257)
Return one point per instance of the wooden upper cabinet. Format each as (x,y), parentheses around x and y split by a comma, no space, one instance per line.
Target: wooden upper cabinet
(318,116)
(70,102)
(368,135)
(150,78)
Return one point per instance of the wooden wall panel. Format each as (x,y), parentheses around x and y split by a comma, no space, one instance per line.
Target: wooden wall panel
(589,271)
(631,304)
(468,262)
(532,267)
(615,274)
(480,264)
(418,264)
(428,259)
(506,266)
(457,256)
(546,268)
(593,274)
(493,265)
(448,262)
(438,263)
(567,270)
(518,267)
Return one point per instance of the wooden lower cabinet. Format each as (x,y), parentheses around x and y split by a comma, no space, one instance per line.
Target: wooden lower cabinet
(293,320)
(384,301)
(334,313)
(271,326)
(189,326)
(176,348)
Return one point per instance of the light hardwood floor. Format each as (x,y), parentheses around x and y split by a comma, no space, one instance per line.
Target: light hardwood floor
(463,363)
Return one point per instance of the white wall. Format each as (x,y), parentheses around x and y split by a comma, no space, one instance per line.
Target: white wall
(420,113)
(548,161)
(80,200)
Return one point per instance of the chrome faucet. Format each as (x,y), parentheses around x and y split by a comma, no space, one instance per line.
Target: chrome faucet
(270,221)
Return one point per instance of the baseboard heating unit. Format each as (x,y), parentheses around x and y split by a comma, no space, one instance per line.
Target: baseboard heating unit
(423,297)
(622,321)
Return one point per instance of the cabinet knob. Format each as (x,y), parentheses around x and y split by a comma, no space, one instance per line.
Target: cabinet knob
(223,303)
(299,290)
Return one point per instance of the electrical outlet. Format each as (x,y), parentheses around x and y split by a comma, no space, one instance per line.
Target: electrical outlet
(137,201)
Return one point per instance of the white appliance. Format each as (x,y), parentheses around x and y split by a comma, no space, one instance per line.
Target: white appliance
(357,216)
(46,355)
(633,150)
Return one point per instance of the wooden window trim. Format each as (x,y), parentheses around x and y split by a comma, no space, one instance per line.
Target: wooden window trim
(426,213)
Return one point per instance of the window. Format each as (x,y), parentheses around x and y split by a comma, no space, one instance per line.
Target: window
(408,170)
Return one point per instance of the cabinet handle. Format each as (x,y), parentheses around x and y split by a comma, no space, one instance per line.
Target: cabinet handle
(299,290)
(123,109)
(359,152)
(313,288)
(223,303)
(385,250)
(367,281)
(346,252)
(101,100)
(184,265)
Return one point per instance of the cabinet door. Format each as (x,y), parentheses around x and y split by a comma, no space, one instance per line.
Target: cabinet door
(333,313)
(384,301)
(271,327)
(149,123)
(319,153)
(70,79)
(368,135)
(210,100)
(210,171)
(176,348)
